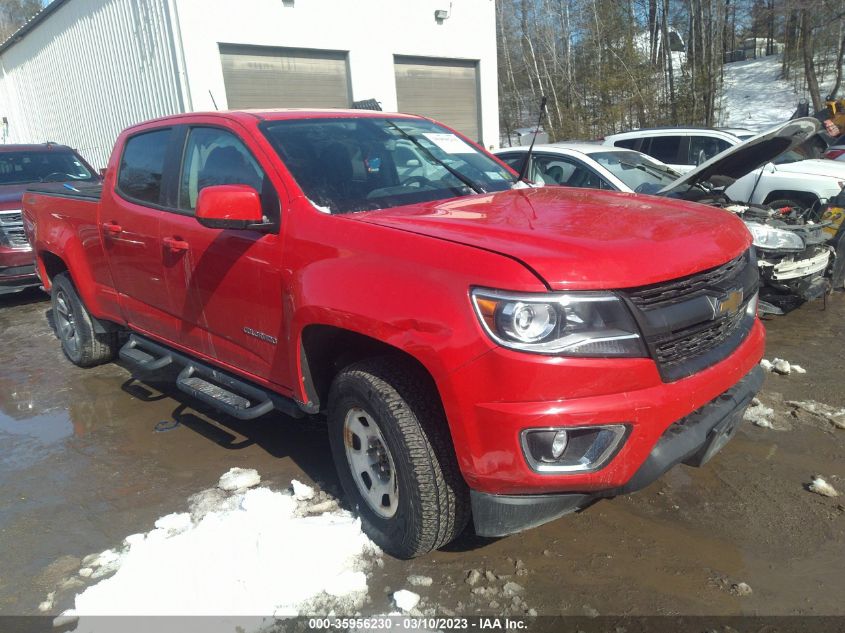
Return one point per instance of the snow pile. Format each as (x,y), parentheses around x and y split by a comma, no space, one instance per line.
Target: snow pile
(759,414)
(781,366)
(821,487)
(406,600)
(831,414)
(240,551)
(239,478)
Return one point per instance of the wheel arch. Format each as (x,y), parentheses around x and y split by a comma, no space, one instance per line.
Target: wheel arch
(806,197)
(324,350)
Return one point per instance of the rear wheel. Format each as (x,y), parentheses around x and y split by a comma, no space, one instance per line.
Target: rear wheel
(394,457)
(75,328)
(795,203)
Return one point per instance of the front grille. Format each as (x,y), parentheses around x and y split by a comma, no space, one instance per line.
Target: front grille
(695,341)
(679,290)
(681,321)
(11,229)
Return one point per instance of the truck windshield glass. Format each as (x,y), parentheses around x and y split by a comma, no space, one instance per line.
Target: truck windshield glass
(636,171)
(17,168)
(353,164)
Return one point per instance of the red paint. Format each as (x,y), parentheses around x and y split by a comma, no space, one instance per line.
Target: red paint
(11,197)
(402,276)
(235,203)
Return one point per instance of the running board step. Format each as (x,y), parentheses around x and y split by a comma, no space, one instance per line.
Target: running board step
(142,355)
(219,389)
(224,392)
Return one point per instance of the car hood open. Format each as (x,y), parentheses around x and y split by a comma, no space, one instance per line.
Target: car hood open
(581,239)
(739,160)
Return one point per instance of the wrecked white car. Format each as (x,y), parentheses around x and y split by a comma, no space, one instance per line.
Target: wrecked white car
(792,249)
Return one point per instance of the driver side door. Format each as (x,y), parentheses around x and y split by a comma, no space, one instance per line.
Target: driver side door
(225,285)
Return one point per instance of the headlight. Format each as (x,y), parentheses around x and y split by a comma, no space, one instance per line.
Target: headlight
(774,239)
(570,324)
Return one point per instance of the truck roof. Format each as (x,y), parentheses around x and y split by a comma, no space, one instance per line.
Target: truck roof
(282,114)
(32,147)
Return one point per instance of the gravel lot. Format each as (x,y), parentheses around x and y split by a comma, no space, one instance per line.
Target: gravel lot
(88,457)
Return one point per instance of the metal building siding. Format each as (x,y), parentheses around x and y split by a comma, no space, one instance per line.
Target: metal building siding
(90,69)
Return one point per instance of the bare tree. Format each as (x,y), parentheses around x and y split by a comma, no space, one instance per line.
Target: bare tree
(14,14)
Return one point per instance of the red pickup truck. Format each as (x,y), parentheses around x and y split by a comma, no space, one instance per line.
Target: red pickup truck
(479,347)
(20,167)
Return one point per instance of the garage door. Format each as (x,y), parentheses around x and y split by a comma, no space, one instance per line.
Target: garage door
(266,77)
(443,89)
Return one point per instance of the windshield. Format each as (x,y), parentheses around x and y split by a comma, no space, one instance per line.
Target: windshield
(359,164)
(637,171)
(17,168)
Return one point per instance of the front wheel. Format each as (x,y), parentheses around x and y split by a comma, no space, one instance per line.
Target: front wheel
(394,457)
(80,342)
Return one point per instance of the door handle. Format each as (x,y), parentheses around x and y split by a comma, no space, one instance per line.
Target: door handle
(175,244)
(113,228)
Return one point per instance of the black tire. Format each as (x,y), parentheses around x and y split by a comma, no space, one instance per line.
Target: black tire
(432,498)
(837,273)
(81,344)
(780,203)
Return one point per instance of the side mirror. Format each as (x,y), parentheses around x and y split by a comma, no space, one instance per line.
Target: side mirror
(229,207)
(770,167)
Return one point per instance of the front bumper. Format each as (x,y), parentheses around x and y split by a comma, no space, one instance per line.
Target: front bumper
(17,276)
(490,401)
(801,274)
(692,440)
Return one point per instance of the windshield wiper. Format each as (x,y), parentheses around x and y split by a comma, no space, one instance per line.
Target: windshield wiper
(467,181)
(654,171)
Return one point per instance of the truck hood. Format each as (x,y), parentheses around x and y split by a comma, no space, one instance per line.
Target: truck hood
(737,161)
(581,239)
(815,167)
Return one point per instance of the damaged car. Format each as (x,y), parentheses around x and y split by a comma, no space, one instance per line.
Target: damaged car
(793,248)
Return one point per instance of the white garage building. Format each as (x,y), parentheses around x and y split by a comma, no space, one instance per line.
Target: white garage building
(82,70)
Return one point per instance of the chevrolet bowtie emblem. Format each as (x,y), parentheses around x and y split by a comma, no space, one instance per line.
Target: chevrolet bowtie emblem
(728,305)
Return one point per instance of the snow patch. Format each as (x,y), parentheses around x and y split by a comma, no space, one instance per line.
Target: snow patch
(238,479)
(406,600)
(821,487)
(833,415)
(301,492)
(754,96)
(420,581)
(781,366)
(251,552)
(48,603)
(759,414)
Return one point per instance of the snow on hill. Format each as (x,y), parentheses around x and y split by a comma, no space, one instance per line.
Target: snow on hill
(754,96)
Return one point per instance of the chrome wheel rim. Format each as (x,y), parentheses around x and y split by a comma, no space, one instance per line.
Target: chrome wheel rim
(370,462)
(65,322)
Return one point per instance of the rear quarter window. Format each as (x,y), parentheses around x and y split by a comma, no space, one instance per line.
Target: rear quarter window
(627,143)
(142,166)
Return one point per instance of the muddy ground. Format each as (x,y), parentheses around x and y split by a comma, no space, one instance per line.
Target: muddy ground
(88,457)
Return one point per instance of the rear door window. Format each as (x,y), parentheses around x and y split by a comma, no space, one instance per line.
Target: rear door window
(142,166)
(703,148)
(663,148)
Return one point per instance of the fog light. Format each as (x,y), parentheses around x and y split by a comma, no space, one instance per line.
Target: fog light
(751,308)
(559,443)
(571,450)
